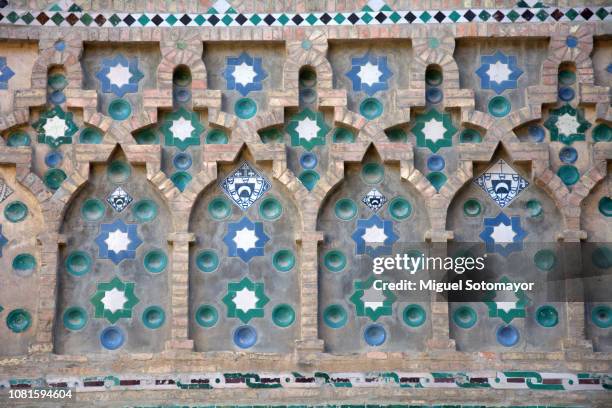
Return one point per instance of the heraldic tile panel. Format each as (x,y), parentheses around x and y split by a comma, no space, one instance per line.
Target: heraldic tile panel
(206,186)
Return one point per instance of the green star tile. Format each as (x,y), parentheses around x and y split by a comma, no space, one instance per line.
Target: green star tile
(566,124)
(182,128)
(55,127)
(111,291)
(245,299)
(371,302)
(434,130)
(307,129)
(506,310)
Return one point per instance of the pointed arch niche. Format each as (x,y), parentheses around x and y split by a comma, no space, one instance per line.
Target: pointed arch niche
(372,203)
(596,261)
(245,262)
(519,237)
(113,292)
(21,223)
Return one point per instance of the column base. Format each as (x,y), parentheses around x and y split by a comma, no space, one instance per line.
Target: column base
(179,344)
(441,344)
(307,351)
(578,345)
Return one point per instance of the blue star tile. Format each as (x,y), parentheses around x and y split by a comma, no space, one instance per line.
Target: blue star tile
(245,239)
(118,241)
(119,75)
(369,73)
(498,72)
(503,235)
(374,236)
(6,73)
(3,240)
(244,74)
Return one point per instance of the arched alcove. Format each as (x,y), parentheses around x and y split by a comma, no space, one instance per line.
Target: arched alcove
(113,291)
(245,262)
(503,216)
(371,202)
(596,262)
(20,262)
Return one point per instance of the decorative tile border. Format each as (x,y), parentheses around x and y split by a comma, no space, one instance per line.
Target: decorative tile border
(383,17)
(503,380)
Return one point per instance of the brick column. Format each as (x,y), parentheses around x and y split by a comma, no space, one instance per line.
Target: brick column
(440,324)
(309,296)
(47,292)
(179,291)
(575,333)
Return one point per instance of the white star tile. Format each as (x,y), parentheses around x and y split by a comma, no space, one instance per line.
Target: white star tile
(307,129)
(374,235)
(567,124)
(114,300)
(181,128)
(55,127)
(245,239)
(434,130)
(369,74)
(244,74)
(117,241)
(503,234)
(119,75)
(499,72)
(245,300)
(373,298)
